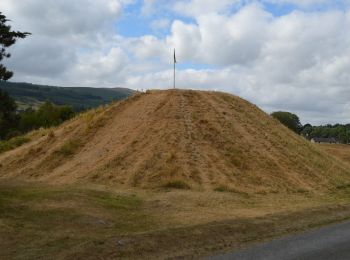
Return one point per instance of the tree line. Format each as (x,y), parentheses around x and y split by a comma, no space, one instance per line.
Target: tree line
(13,123)
(292,121)
(337,131)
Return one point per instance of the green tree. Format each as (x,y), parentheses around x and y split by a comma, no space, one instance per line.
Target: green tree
(338,131)
(307,130)
(8,117)
(289,120)
(47,115)
(7,39)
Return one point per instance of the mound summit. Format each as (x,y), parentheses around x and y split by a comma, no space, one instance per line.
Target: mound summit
(200,140)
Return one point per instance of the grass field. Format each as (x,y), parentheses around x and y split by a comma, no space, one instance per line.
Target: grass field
(38,221)
(342,151)
(165,174)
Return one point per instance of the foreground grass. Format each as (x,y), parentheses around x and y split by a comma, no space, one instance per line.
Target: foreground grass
(37,222)
(41,222)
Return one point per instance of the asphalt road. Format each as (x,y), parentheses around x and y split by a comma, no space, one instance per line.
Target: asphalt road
(327,243)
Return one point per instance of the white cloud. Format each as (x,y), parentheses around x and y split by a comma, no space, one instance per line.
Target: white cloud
(36,56)
(202,7)
(303,3)
(63,17)
(64,34)
(297,61)
(98,69)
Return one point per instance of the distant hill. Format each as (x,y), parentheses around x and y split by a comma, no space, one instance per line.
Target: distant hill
(176,138)
(80,98)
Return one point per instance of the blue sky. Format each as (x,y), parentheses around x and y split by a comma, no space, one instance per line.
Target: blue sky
(278,54)
(134,23)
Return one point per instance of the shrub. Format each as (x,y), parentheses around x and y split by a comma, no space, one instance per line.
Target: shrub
(69,148)
(290,120)
(46,116)
(12,143)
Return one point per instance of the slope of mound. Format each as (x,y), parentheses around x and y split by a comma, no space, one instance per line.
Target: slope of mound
(203,140)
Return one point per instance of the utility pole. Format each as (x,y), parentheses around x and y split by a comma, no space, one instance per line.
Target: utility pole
(174,68)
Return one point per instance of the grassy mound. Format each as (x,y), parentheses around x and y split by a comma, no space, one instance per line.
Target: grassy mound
(180,139)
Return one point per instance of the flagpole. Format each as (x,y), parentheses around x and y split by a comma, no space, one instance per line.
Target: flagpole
(174,74)
(174,68)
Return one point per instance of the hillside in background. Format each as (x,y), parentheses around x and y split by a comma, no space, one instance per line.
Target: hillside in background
(32,95)
(177,138)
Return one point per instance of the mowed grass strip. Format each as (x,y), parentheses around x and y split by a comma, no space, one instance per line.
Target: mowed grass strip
(40,222)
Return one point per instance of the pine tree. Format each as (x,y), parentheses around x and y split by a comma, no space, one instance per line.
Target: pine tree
(7,39)
(8,117)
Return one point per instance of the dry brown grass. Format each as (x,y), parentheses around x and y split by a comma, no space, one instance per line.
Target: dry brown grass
(102,222)
(207,170)
(341,151)
(206,140)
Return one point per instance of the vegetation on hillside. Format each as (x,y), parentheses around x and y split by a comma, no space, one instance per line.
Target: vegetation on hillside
(338,131)
(13,143)
(13,124)
(79,98)
(46,116)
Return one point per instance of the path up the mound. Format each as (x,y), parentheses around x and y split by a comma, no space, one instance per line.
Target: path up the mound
(203,140)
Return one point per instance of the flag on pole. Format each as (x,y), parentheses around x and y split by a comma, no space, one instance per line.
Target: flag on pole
(175,57)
